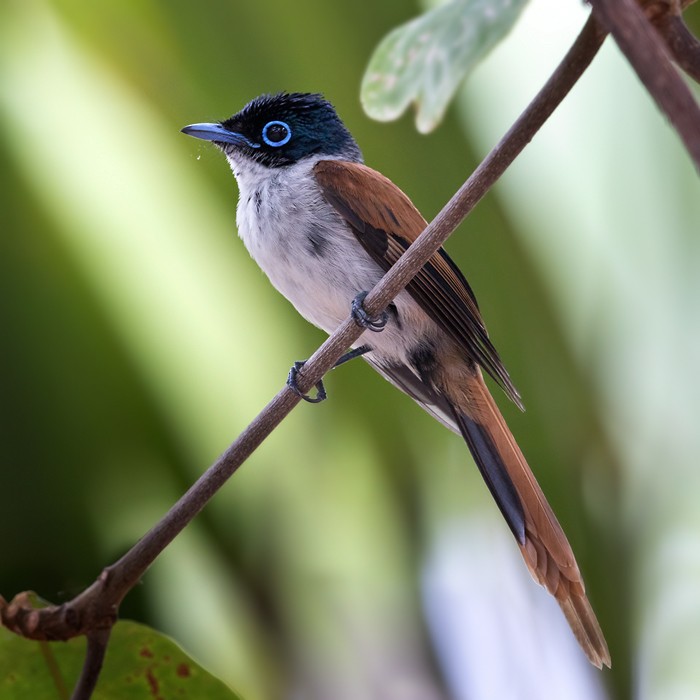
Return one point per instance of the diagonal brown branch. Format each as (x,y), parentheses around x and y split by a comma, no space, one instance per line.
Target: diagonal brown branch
(683,45)
(95,609)
(646,51)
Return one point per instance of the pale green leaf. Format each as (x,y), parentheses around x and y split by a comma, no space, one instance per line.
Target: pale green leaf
(424,61)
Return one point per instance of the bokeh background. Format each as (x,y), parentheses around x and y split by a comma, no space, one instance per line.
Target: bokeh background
(357,554)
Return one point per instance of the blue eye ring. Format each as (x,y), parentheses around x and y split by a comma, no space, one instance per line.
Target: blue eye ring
(270,142)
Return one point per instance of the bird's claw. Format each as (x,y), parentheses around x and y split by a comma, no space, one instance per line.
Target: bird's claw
(292,384)
(363,319)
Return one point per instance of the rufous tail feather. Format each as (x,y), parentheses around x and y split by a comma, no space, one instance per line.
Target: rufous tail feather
(542,541)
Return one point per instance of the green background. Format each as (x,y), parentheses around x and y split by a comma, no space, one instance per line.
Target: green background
(357,554)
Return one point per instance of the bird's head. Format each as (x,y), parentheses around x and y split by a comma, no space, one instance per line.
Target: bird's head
(280,130)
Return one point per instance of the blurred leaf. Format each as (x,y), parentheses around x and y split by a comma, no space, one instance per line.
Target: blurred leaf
(140,663)
(424,60)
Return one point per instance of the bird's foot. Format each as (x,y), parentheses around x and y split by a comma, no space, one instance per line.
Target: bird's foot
(292,384)
(363,319)
(320,389)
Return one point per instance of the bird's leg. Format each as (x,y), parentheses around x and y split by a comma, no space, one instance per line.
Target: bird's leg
(320,389)
(351,355)
(362,318)
(292,384)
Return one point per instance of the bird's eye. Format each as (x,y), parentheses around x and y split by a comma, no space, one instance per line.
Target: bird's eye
(276,133)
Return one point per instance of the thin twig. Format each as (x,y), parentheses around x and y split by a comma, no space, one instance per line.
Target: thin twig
(94,658)
(644,48)
(95,608)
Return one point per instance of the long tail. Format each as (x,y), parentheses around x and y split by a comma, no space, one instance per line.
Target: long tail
(542,541)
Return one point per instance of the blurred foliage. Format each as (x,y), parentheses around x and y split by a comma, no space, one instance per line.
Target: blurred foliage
(423,61)
(138,338)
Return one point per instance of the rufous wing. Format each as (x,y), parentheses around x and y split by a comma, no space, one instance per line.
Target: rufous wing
(385,222)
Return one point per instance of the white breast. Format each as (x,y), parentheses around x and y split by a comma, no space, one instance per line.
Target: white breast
(311,255)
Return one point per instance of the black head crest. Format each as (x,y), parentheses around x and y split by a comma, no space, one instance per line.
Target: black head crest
(282,129)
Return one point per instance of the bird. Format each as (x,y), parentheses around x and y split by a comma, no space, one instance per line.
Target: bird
(325,228)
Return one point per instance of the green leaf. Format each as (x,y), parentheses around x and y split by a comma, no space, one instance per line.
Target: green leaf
(140,663)
(424,60)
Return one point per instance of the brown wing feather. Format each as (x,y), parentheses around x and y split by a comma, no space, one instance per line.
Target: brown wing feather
(385,222)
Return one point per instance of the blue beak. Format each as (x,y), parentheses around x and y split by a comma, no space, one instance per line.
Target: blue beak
(217,134)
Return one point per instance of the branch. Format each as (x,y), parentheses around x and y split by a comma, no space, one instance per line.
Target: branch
(94,658)
(666,16)
(95,609)
(683,45)
(644,48)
